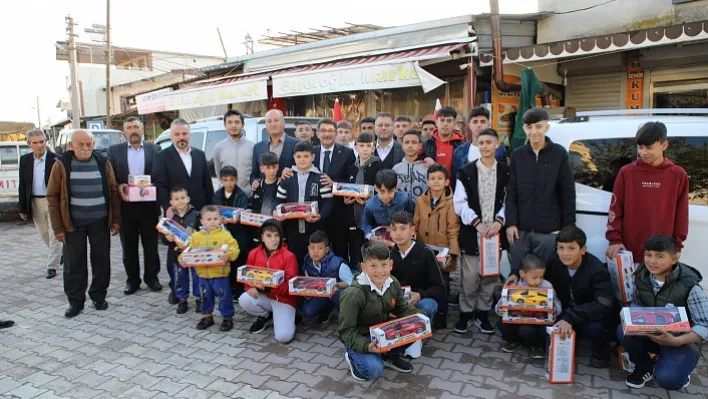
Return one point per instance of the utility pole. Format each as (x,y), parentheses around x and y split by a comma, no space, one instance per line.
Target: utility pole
(75,107)
(39,118)
(108,64)
(226,57)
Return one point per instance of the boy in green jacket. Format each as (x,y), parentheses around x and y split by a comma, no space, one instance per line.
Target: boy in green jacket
(373,295)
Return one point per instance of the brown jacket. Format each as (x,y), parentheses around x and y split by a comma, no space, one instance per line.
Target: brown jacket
(439,227)
(58,193)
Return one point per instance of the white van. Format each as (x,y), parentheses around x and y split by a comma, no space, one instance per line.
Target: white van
(10,153)
(600,143)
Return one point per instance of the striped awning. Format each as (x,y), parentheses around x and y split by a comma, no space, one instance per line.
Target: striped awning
(232,79)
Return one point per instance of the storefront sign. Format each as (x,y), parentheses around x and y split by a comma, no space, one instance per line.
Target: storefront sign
(505,106)
(635,85)
(237,92)
(405,74)
(152,102)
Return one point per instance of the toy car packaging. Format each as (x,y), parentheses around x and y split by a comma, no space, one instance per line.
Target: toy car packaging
(260,276)
(441,255)
(169,226)
(405,330)
(250,218)
(538,317)
(624,362)
(296,210)
(406,292)
(312,286)
(384,233)
(489,255)
(640,321)
(560,365)
(139,180)
(526,298)
(229,214)
(196,257)
(352,190)
(621,271)
(144,193)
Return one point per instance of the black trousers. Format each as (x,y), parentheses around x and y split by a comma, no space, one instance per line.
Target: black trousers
(525,334)
(356,240)
(138,221)
(76,262)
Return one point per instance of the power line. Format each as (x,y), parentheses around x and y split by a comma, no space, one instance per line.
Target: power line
(579,9)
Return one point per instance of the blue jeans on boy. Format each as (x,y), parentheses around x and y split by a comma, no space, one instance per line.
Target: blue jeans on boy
(428,306)
(313,306)
(674,364)
(371,365)
(220,288)
(182,281)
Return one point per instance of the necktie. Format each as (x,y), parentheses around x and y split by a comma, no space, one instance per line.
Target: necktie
(326,162)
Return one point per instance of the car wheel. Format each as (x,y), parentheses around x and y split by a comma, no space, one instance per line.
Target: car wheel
(543,303)
(419,330)
(520,301)
(660,320)
(250,275)
(397,335)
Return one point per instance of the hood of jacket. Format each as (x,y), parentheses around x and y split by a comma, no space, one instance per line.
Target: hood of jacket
(645,167)
(455,136)
(278,225)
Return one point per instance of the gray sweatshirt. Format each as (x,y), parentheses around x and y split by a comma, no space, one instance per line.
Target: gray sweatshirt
(239,154)
(412,177)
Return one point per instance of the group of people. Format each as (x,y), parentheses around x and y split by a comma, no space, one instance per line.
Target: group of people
(444,190)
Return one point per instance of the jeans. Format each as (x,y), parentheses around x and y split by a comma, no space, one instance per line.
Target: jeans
(220,288)
(525,334)
(543,245)
(313,306)
(674,364)
(182,281)
(428,306)
(371,365)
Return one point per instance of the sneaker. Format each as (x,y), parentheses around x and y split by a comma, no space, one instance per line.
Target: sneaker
(441,321)
(510,347)
(172,298)
(463,324)
(481,320)
(182,307)
(355,374)
(205,323)
(396,362)
(226,325)
(198,306)
(638,379)
(261,324)
(325,317)
(687,383)
(537,352)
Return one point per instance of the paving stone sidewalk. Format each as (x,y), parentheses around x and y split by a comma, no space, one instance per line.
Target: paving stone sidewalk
(139,348)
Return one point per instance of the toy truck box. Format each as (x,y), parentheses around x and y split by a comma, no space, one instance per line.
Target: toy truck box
(489,255)
(181,234)
(537,317)
(441,255)
(397,332)
(527,298)
(230,214)
(143,193)
(260,276)
(139,180)
(647,320)
(352,190)
(250,218)
(560,365)
(296,210)
(312,286)
(406,292)
(197,257)
(384,233)
(622,271)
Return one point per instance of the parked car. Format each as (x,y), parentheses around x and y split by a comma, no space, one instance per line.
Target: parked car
(103,139)
(10,153)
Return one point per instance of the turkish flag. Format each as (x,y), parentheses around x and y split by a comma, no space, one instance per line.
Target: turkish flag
(437,107)
(337,111)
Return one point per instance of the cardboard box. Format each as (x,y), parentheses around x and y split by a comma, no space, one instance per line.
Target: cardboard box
(622,273)
(296,210)
(527,298)
(406,292)
(139,180)
(230,215)
(536,317)
(398,332)
(168,226)
(352,190)
(260,276)
(384,233)
(624,362)
(441,255)
(196,257)
(312,286)
(141,193)
(640,321)
(560,365)
(249,218)
(489,255)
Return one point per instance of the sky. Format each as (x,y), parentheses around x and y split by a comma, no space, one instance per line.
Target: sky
(28,68)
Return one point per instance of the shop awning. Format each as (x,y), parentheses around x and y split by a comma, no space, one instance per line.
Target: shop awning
(234,90)
(659,36)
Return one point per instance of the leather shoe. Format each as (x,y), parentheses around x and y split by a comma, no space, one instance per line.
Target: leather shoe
(102,305)
(154,286)
(51,273)
(131,287)
(73,311)
(6,323)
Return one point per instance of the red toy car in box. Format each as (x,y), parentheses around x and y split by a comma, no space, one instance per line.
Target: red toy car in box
(312,286)
(405,327)
(397,332)
(296,210)
(384,233)
(642,320)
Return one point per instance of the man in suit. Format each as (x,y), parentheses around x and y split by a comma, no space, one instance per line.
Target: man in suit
(35,168)
(387,149)
(138,219)
(181,165)
(279,143)
(334,161)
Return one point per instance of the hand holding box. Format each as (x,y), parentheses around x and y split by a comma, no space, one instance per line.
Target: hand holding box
(296,210)
(260,276)
(312,286)
(489,255)
(560,365)
(646,320)
(398,332)
(230,214)
(621,269)
(180,235)
(352,190)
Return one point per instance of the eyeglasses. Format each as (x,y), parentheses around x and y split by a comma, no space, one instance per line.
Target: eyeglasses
(327,130)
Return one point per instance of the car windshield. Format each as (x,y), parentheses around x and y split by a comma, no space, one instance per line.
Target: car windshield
(104,140)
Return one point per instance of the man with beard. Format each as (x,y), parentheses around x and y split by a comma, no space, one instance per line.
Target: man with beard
(235,150)
(388,150)
(84,204)
(138,219)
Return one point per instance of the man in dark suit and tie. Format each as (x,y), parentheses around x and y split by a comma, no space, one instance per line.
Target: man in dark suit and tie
(35,168)
(181,165)
(334,161)
(279,143)
(138,219)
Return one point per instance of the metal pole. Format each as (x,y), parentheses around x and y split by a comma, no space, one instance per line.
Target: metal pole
(39,118)
(226,57)
(108,64)
(75,107)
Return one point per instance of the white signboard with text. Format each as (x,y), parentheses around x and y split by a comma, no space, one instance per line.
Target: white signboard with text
(237,92)
(152,102)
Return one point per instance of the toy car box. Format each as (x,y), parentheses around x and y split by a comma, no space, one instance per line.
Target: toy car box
(537,317)
(144,193)
(384,233)
(441,255)
(196,257)
(527,298)
(560,365)
(312,286)
(489,255)
(168,226)
(622,271)
(352,190)
(139,180)
(640,321)
(260,276)
(296,210)
(406,292)
(395,333)
(250,218)
(230,215)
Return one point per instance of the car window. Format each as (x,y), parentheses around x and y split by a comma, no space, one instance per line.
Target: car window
(196,140)
(24,150)
(165,143)
(8,156)
(596,163)
(104,140)
(213,137)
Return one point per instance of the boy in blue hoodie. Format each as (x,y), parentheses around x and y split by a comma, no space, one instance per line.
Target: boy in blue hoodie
(322,262)
(387,201)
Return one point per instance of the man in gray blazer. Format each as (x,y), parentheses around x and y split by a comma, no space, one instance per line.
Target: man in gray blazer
(138,219)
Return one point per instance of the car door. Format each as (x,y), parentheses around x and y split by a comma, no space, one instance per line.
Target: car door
(9,170)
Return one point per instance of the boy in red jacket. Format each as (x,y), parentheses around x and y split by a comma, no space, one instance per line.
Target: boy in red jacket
(652,182)
(272,305)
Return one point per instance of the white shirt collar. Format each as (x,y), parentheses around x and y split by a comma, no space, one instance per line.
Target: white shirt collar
(388,146)
(130,146)
(404,254)
(184,154)
(363,279)
(481,165)
(42,158)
